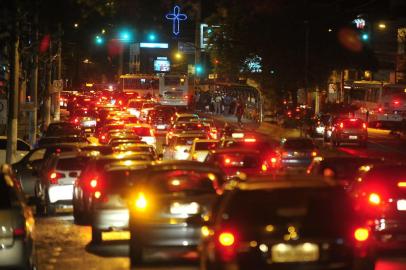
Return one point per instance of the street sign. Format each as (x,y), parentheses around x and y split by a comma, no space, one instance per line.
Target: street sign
(3,111)
(57,86)
(186,47)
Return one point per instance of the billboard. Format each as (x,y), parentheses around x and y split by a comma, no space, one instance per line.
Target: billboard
(162,64)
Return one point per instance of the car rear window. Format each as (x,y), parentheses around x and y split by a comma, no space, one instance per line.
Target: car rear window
(141,131)
(202,146)
(311,207)
(352,123)
(238,160)
(299,144)
(71,164)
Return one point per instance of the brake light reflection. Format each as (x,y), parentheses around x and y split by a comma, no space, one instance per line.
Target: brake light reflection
(374,199)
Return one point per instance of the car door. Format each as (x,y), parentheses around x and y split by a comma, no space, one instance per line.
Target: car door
(26,171)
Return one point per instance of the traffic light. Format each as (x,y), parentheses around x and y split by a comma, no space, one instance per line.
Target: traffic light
(125,35)
(151,37)
(99,40)
(199,69)
(364,36)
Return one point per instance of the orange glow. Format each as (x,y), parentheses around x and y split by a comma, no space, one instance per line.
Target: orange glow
(402,184)
(264,168)
(226,239)
(227,161)
(361,234)
(53,175)
(341,125)
(374,199)
(250,140)
(314,153)
(274,160)
(97,194)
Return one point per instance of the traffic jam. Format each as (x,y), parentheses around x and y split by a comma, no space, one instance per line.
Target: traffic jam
(171,179)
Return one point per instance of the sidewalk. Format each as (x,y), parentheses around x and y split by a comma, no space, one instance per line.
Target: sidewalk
(272,130)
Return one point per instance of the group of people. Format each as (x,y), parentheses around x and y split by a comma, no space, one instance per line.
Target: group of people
(220,103)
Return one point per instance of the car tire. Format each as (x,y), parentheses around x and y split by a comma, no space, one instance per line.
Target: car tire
(96,236)
(135,253)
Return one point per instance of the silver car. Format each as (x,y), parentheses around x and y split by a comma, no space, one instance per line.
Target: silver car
(165,200)
(16,224)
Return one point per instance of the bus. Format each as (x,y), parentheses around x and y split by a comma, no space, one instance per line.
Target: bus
(144,85)
(378,102)
(173,90)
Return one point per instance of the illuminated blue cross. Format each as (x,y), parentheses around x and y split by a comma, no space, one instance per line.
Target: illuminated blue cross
(176,17)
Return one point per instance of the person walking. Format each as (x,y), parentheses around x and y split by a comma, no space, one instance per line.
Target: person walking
(239,112)
(217,104)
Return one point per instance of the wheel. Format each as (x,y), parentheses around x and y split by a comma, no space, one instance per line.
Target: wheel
(50,208)
(135,253)
(96,236)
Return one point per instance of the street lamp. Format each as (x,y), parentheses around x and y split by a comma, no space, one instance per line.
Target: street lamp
(76,25)
(178,56)
(382,26)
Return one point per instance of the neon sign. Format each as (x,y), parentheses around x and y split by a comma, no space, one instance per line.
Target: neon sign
(176,17)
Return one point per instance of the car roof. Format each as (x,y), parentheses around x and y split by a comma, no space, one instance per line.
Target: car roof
(66,155)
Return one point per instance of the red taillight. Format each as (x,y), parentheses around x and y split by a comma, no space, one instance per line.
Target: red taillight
(341,125)
(53,177)
(264,167)
(76,120)
(402,184)
(361,234)
(226,239)
(250,140)
(18,232)
(185,97)
(380,109)
(374,199)
(364,125)
(314,153)
(226,245)
(151,131)
(396,102)
(103,137)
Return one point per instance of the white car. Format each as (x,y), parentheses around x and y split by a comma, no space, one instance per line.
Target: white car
(201,148)
(145,131)
(179,146)
(22,149)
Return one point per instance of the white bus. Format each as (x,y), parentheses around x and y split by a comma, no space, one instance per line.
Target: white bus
(142,84)
(173,90)
(382,102)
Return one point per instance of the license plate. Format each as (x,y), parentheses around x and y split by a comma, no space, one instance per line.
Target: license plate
(401,205)
(353,137)
(88,130)
(121,235)
(285,253)
(160,126)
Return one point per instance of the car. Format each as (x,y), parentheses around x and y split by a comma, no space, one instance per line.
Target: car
(62,129)
(17,225)
(78,140)
(344,170)
(184,117)
(104,131)
(91,178)
(350,130)
(179,146)
(380,199)
(115,135)
(297,153)
(85,120)
(249,162)
(137,147)
(166,195)
(98,149)
(201,148)
(22,149)
(185,128)
(318,129)
(144,131)
(160,119)
(287,223)
(56,179)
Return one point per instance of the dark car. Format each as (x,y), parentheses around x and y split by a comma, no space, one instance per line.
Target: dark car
(237,161)
(350,130)
(289,224)
(16,225)
(297,153)
(79,140)
(62,129)
(344,170)
(165,197)
(380,198)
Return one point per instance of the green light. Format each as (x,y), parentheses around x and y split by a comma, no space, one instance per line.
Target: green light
(365,36)
(152,37)
(199,69)
(99,40)
(125,36)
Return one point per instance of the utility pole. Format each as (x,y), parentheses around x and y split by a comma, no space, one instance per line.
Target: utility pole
(198,10)
(306,64)
(34,84)
(12,118)
(57,94)
(47,102)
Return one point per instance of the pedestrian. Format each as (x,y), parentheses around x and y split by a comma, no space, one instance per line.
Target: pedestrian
(217,104)
(239,112)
